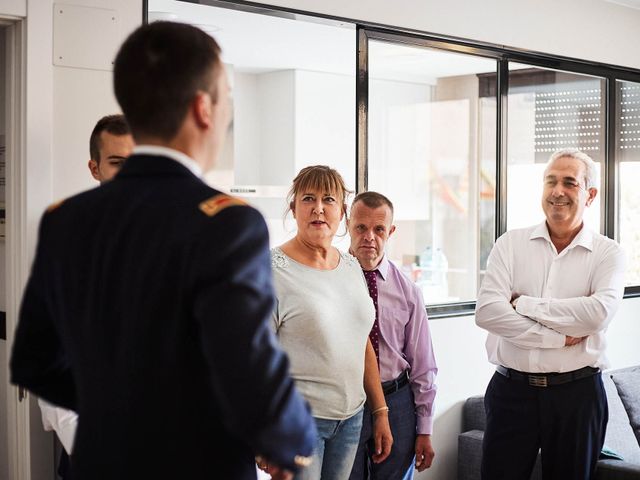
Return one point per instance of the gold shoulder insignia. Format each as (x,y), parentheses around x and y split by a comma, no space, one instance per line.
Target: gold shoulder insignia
(55,205)
(216,204)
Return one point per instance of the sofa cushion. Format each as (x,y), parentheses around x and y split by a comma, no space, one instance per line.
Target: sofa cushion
(627,381)
(470,457)
(620,436)
(470,454)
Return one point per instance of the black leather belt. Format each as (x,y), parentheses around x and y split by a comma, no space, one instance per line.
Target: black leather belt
(547,379)
(395,384)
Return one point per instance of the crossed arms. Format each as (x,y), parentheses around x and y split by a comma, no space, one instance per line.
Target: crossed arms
(538,322)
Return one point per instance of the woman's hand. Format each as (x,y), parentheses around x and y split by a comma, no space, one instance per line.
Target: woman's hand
(382,438)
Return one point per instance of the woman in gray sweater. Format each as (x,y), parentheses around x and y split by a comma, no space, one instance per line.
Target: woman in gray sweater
(323,317)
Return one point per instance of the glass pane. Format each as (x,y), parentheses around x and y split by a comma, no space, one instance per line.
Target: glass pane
(293,103)
(628,155)
(432,139)
(549,110)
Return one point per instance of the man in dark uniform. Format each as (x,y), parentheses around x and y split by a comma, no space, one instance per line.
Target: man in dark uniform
(110,143)
(147,307)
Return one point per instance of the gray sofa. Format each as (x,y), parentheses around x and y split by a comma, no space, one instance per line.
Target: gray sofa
(623,431)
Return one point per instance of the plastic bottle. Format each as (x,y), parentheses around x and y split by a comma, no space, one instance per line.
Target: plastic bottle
(433,279)
(440,269)
(426,265)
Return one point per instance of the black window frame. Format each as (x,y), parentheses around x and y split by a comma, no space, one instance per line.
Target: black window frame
(503,55)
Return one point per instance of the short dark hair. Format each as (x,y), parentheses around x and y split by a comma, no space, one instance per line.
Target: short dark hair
(373,200)
(113,124)
(157,73)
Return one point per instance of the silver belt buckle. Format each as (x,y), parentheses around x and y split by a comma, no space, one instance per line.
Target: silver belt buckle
(538,381)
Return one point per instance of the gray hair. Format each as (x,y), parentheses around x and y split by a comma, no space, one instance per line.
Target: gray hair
(591,179)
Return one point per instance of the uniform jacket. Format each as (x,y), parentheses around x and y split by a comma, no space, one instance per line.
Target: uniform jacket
(146,312)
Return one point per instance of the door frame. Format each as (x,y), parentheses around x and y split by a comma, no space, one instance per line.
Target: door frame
(18,404)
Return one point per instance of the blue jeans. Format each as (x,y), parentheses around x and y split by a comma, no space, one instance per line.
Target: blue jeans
(399,464)
(335,450)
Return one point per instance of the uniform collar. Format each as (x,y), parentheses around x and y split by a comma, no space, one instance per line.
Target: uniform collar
(584,238)
(179,157)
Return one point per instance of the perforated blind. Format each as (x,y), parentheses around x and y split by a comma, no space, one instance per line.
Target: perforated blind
(568,109)
(568,117)
(629,121)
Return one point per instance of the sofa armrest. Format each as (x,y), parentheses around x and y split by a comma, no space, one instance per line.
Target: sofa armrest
(617,470)
(473,414)
(470,454)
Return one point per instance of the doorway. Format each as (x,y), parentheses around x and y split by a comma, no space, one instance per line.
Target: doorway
(4,353)
(26,451)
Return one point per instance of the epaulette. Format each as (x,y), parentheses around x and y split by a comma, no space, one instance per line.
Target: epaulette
(55,205)
(217,203)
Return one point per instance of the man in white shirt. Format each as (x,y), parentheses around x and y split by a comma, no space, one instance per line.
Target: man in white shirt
(110,144)
(548,296)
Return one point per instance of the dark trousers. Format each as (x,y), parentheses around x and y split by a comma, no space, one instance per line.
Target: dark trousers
(64,466)
(402,420)
(566,422)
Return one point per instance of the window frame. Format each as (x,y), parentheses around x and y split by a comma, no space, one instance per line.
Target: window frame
(503,55)
(609,73)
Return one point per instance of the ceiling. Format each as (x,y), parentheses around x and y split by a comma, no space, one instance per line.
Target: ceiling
(257,43)
(626,3)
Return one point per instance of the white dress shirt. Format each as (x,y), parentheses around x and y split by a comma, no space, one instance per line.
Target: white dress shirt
(574,293)
(64,422)
(179,157)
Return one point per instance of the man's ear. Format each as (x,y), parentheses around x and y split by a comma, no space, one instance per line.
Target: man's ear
(592,192)
(392,229)
(202,107)
(93,168)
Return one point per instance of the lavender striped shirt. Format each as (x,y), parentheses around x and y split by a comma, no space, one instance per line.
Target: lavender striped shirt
(405,340)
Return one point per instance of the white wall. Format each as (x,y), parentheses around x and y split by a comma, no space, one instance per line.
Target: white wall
(623,335)
(288,119)
(14,8)
(462,372)
(325,122)
(277,118)
(246,128)
(80,97)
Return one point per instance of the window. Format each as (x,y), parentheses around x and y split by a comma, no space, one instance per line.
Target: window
(431,150)
(548,110)
(628,154)
(293,96)
(455,133)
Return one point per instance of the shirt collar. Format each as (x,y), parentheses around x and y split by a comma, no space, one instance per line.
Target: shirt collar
(383,268)
(584,238)
(179,157)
